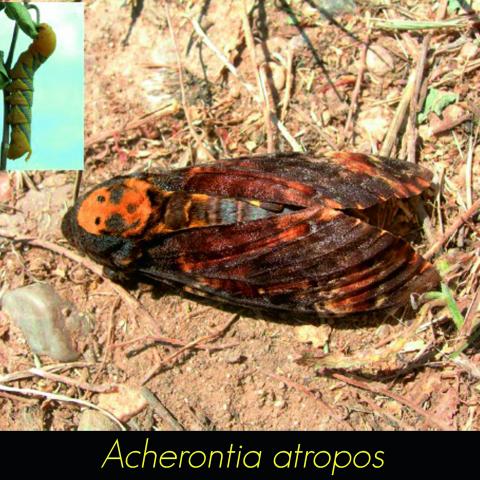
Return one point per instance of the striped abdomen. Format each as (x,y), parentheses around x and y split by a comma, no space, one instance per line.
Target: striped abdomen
(181,210)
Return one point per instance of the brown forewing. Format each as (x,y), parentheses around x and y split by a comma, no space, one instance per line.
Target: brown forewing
(316,259)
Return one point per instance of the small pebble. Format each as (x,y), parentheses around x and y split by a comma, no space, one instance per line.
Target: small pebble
(469,51)
(379,60)
(94,421)
(278,76)
(123,404)
(235,358)
(336,7)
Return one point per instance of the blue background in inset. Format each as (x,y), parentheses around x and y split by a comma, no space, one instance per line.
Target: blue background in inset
(58,98)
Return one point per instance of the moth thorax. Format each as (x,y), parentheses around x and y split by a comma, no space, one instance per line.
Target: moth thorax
(121,209)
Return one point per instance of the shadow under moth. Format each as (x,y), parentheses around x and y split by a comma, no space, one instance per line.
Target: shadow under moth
(20,91)
(262,231)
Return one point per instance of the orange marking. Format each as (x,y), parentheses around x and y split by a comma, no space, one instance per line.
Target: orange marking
(134,208)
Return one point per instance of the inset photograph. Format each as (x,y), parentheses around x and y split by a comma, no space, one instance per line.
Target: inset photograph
(41,78)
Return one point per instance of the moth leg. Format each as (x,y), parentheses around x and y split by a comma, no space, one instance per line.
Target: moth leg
(124,278)
(126,256)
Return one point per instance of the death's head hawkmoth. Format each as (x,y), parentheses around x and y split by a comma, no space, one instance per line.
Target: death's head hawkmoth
(20,91)
(267,232)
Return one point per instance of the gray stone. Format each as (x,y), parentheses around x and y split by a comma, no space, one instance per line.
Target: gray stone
(94,421)
(51,325)
(335,7)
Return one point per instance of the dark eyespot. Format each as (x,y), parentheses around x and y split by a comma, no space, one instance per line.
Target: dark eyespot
(131,208)
(97,221)
(101,198)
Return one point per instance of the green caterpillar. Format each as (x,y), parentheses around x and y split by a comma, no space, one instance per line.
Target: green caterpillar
(21,90)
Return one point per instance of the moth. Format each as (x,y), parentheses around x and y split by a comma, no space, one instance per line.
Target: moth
(271,232)
(20,91)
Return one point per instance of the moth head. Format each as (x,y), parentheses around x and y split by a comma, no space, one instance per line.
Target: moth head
(109,217)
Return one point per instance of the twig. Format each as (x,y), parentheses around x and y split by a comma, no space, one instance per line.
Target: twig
(16,398)
(449,123)
(259,75)
(189,346)
(281,127)
(288,82)
(469,170)
(470,315)
(250,88)
(61,398)
(108,345)
(459,23)
(186,108)
(173,342)
(356,92)
(414,106)
(381,412)
(429,418)
(303,389)
(399,117)
(76,185)
(163,411)
(473,210)
(421,86)
(70,381)
(24,374)
(168,109)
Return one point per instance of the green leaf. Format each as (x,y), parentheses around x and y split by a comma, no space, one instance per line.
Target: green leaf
(436,102)
(446,296)
(443,267)
(19,12)
(457,317)
(4,78)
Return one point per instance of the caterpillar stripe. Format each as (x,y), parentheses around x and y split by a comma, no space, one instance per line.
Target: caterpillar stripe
(20,91)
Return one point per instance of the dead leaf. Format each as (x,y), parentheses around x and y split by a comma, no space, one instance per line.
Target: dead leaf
(375,122)
(317,336)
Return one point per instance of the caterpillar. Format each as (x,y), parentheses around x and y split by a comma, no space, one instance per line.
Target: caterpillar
(268,232)
(20,91)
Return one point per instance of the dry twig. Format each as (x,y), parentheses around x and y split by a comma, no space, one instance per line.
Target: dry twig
(189,346)
(473,210)
(186,109)
(429,418)
(303,389)
(163,411)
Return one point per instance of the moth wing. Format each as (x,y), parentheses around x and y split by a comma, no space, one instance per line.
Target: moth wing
(313,260)
(337,180)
